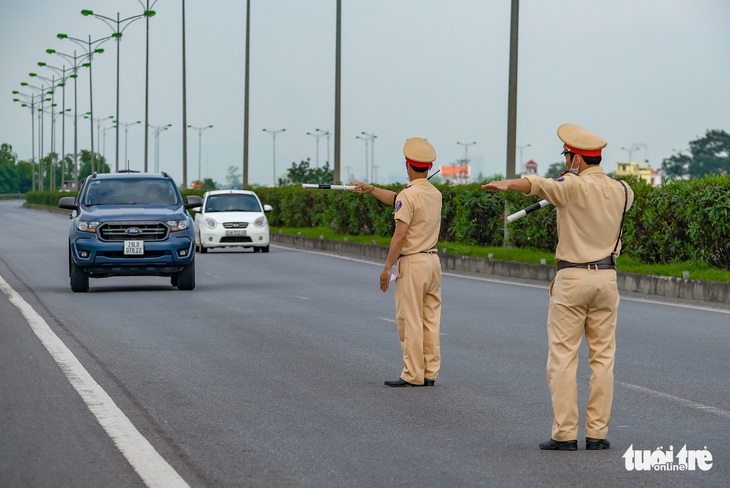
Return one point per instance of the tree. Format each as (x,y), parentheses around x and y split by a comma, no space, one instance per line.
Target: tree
(100,165)
(707,155)
(554,170)
(302,173)
(209,184)
(234,177)
(15,176)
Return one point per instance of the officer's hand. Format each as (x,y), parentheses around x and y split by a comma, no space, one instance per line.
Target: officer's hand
(496,185)
(362,188)
(385,280)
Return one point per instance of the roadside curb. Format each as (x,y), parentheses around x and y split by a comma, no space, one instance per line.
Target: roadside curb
(661,286)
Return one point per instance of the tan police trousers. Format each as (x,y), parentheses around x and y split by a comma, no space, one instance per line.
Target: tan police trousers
(581,301)
(418,315)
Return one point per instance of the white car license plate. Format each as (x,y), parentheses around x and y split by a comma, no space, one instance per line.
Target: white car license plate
(241,232)
(134,248)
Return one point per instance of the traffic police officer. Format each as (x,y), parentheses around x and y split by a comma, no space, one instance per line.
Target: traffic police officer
(584,297)
(418,272)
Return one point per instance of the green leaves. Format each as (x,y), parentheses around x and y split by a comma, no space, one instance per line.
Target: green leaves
(685,220)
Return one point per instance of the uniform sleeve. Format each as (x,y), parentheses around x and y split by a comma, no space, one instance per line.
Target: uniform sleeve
(556,191)
(403,207)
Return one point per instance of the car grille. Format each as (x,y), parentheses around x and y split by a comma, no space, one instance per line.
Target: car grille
(141,231)
(236,239)
(235,225)
(121,255)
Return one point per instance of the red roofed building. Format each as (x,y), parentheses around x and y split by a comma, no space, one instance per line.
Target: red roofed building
(531,167)
(455,174)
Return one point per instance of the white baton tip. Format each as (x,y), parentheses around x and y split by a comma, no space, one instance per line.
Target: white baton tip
(515,216)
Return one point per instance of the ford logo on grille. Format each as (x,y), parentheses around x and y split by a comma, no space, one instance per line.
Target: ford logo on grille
(133,231)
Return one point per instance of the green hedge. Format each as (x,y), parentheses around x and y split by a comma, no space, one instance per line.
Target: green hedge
(680,221)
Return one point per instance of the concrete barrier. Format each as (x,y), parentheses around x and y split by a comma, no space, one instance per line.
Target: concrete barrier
(662,286)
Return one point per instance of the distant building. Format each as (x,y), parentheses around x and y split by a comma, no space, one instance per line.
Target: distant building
(455,174)
(643,171)
(530,167)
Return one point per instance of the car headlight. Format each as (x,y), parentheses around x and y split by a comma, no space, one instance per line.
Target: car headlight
(210,222)
(259,222)
(177,225)
(84,226)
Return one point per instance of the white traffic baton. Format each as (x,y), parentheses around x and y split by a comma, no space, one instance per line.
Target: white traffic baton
(328,187)
(528,210)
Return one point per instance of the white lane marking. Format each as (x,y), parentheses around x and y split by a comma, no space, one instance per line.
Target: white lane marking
(146,461)
(682,401)
(517,283)
(386,319)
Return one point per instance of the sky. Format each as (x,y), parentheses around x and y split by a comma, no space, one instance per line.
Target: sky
(649,76)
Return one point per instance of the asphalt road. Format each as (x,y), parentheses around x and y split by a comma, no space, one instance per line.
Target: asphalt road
(270,374)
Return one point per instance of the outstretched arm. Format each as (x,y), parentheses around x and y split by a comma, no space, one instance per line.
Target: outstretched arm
(385,196)
(521,185)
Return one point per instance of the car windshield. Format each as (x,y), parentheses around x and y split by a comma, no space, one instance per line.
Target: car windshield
(158,193)
(232,202)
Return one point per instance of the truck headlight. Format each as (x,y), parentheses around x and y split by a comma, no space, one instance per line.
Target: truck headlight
(85,226)
(177,225)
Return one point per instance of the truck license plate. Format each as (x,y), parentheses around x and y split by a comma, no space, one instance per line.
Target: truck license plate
(133,248)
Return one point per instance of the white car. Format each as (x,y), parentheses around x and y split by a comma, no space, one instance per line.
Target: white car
(232,218)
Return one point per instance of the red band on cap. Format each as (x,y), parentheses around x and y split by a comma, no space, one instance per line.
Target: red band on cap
(418,164)
(583,152)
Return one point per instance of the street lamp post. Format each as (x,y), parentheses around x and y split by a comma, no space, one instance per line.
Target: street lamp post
(31,99)
(64,77)
(317,134)
(273,137)
(369,139)
(157,129)
(147,8)
(76,59)
(200,144)
(632,148)
(41,91)
(51,175)
(89,50)
(103,133)
(466,154)
(126,131)
(522,148)
(327,133)
(466,149)
(365,139)
(100,129)
(117,31)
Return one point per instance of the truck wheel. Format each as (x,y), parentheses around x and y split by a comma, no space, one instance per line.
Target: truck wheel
(78,279)
(186,277)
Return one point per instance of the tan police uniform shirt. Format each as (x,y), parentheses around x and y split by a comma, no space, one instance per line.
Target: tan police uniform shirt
(589,209)
(419,206)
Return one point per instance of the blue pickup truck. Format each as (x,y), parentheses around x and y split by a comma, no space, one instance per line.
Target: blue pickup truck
(130,224)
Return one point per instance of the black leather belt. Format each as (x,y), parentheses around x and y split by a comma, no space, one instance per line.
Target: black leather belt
(605,263)
(428,251)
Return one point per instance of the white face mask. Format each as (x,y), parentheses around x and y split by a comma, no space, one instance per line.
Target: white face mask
(574,166)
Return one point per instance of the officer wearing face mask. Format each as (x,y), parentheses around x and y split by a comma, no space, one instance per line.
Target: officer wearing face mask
(584,297)
(418,268)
